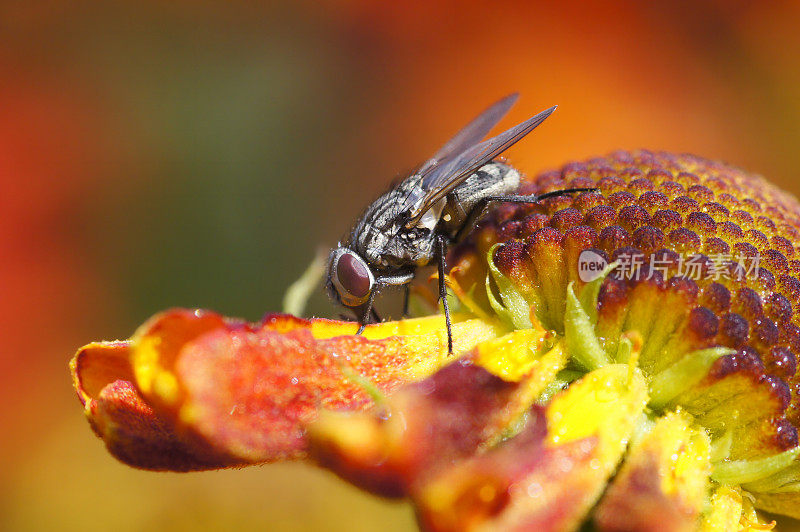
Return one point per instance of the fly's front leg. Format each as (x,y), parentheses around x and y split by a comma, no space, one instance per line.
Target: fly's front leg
(363,312)
(406,297)
(441,252)
(366,310)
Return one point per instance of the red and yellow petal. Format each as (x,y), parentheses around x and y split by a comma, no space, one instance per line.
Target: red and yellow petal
(232,392)
(427,426)
(664,482)
(129,426)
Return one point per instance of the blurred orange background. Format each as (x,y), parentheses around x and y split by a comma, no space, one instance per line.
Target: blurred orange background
(198,153)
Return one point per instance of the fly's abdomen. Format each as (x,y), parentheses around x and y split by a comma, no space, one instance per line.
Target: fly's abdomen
(492,179)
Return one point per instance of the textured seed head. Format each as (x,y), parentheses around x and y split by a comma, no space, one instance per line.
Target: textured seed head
(707,258)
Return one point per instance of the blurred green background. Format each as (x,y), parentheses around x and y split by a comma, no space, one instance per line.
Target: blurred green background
(199,153)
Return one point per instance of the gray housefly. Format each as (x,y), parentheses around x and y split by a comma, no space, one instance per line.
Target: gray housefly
(413,224)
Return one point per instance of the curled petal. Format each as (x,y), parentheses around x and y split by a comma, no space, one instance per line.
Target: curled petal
(234,393)
(117,412)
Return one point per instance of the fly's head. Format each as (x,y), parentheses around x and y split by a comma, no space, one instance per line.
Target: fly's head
(350,280)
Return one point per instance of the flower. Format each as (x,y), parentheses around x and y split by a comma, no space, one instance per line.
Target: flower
(625,357)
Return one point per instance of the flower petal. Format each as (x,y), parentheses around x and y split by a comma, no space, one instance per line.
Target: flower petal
(521,485)
(230,393)
(419,429)
(543,478)
(102,375)
(664,480)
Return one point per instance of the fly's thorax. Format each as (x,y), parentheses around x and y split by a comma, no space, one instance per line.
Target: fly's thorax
(375,226)
(380,235)
(397,247)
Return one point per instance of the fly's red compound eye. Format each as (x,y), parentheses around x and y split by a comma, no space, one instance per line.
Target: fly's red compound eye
(351,277)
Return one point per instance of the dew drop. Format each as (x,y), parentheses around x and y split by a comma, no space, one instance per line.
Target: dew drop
(534,489)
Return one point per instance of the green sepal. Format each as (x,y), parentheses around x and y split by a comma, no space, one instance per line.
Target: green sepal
(582,342)
(683,374)
(514,310)
(591,291)
(748,471)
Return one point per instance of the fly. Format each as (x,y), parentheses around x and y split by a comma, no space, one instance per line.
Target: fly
(414,223)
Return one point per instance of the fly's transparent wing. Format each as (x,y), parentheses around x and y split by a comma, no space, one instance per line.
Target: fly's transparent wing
(445,177)
(470,135)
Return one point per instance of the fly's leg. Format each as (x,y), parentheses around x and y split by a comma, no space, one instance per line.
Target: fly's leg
(441,252)
(406,296)
(515,198)
(364,312)
(478,208)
